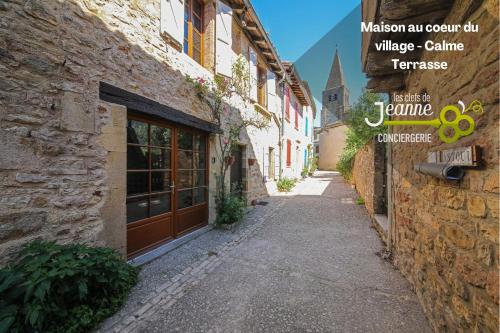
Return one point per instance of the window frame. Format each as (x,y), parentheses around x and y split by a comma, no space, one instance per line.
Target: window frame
(262,86)
(189,24)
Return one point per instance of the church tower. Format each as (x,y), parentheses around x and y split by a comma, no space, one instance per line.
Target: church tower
(335,99)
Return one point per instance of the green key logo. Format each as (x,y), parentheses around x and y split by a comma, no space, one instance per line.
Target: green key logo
(460,125)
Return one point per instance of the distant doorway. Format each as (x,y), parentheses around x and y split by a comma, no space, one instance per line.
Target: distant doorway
(297,161)
(237,170)
(271,164)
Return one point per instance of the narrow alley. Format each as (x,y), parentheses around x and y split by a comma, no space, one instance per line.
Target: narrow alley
(305,262)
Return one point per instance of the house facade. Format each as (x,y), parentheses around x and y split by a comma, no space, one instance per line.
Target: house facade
(298,122)
(104,141)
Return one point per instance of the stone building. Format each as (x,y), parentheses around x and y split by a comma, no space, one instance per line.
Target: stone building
(104,141)
(443,234)
(335,110)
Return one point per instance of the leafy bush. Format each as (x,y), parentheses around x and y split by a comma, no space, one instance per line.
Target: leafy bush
(62,288)
(231,209)
(346,160)
(359,133)
(286,184)
(305,172)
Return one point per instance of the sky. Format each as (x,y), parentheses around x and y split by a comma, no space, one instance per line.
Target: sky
(308,33)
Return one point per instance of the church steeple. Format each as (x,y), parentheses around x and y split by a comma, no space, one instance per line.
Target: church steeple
(336,78)
(335,96)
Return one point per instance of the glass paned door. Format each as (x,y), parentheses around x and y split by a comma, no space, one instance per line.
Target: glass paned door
(149,184)
(167,182)
(191,179)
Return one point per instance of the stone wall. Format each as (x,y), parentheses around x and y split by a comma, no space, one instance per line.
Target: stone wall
(445,233)
(368,176)
(61,147)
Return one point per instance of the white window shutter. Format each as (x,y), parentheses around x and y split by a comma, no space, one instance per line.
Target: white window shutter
(271,91)
(224,53)
(253,74)
(172,19)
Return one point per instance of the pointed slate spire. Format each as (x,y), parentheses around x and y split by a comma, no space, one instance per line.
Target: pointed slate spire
(336,78)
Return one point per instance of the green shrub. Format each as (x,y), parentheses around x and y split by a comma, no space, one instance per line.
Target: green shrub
(231,210)
(286,184)
(62,288)
(359,133)
(360,201)
(346,159)
(314,166)
(304,173)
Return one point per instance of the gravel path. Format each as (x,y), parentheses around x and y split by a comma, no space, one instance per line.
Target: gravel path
(304,263)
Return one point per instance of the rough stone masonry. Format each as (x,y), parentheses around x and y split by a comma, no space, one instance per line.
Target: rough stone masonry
(62,151)
(446,233)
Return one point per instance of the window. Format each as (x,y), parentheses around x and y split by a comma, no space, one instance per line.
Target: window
(296,107)
(287,104)
(288,152)
(261,86)
(193,27)
(149,171)
(332,97)
(307,126)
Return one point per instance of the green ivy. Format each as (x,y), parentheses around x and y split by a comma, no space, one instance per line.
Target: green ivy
(62,288)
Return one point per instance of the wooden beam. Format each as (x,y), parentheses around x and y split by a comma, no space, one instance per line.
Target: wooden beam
(251,26)
(379,63)
(405,9)
(142,105)
(386,83)
(239,10)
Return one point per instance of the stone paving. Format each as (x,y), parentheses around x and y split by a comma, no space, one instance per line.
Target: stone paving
(306,262)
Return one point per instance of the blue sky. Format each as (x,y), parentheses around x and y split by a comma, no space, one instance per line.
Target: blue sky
(308,32)
(294,25)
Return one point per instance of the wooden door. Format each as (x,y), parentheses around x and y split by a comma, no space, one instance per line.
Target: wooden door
(167,183)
